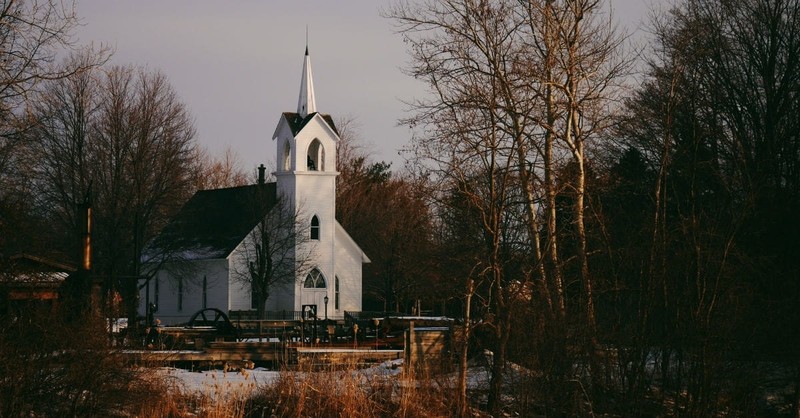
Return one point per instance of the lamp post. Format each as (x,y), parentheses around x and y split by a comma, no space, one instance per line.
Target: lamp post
(377,323)
(326,308)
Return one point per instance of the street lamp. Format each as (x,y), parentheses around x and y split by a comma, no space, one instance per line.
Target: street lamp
(326,307)
(377,323)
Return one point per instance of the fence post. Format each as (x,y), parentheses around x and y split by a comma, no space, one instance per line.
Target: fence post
(410,350)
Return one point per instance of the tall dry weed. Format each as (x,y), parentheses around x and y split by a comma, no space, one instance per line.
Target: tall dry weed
(338,391)
(49,367)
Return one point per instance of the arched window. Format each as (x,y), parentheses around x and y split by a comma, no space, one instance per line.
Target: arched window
(180,294)
(287,152)
(315,228)
(315,155)
(336,294)
(314,280)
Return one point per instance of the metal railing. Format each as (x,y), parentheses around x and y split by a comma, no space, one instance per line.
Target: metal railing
(251,315)
(284,315)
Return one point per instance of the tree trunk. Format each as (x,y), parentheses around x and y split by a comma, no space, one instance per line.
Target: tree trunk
(550,41)
(552,231)
(533,223)
(586,279)
(499,362)
(261,309)
(462,404)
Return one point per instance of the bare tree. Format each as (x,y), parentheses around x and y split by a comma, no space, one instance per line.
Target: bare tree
(516,86)
(716,120)
(125,131)
(217,172)
(278,251)
(594,65)
(32,34)
(462,49)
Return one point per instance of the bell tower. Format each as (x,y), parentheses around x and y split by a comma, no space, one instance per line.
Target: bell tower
(306,173)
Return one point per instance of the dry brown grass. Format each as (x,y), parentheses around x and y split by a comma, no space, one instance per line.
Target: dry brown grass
(348,392)
(330,392)
(51,368)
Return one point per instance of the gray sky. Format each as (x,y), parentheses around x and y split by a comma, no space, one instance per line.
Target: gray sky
(237,64)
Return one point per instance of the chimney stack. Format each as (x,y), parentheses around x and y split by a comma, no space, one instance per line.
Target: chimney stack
(261,174)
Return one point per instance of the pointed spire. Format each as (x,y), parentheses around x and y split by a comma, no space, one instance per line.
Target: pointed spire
(306,103)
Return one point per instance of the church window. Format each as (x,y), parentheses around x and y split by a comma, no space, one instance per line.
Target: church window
(156,293)
(315,156)
(315,228)
(287,151)
(336,295)
(205,292)
(314,280)
(180,294)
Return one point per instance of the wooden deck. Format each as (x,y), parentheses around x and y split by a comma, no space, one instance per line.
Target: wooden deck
(319,356)
(263,352)
(289,343)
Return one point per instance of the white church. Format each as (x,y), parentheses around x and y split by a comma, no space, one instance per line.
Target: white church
(209,236)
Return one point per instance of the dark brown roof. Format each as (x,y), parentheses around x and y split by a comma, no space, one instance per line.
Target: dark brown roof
(296,122)
(213,223)
(36,270)
(30,262)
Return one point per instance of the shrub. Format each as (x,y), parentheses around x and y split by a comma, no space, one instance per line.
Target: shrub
(49,367)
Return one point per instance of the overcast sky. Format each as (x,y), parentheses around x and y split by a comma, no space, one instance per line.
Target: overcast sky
(237,64)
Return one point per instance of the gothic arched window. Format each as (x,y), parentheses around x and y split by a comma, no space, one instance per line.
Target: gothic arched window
(315,155)
(287,152)
(314,280)
(336,294)
(315,228)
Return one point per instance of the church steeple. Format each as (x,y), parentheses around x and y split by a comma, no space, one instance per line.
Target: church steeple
(306,104)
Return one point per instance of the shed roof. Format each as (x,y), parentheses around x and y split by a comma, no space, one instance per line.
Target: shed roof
(33,269)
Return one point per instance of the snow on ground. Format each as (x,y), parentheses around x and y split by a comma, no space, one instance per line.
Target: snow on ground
(246,381)
(216,381)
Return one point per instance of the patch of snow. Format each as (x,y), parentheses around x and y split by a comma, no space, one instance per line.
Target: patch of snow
(261,340)
(245,382)
(388,368)
(342,350)
(423,329)
(200,253)
(117,324)
(219,381)
(40,277)
(423,318)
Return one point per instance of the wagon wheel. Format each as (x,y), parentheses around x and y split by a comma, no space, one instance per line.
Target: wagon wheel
(215,318)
